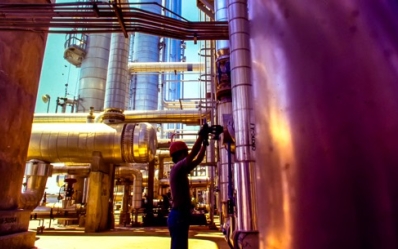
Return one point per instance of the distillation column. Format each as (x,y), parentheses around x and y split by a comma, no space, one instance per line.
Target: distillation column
(93,73)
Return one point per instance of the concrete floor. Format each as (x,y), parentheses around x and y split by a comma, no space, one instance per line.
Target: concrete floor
(70,237)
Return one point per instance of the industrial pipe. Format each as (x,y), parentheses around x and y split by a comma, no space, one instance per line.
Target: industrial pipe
(36,173)
(119,143)
(135,176)
(191,117)
(161,67)
(117,78)
(83,170)
(243,114)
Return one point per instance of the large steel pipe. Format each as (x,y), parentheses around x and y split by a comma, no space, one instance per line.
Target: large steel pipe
(242,112)
(36,173)
(155,116)
(325,77)
(121,143)
(140,67)
(117,78)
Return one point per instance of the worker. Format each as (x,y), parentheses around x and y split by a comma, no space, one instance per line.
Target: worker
(179,217)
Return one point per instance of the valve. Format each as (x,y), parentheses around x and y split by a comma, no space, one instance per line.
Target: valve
(69,188)
(216,130)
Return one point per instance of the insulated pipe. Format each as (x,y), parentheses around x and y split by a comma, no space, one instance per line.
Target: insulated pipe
(192,117)
(242,113)
(117,78)
(137,189)
(119,143)
(93,73)
(165,67)
(224,106)
(36,173)
(195,181)
(71,170)
(221,14)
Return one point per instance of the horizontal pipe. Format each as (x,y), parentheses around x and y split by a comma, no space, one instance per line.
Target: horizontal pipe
(79,18)
(120,143)
(139,67)
(71,170)
(194,181)
(191,117)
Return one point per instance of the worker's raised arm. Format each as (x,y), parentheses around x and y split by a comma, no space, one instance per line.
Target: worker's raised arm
(199,158)
(203,134)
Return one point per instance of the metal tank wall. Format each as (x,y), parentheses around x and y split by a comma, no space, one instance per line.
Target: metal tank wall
(325,77)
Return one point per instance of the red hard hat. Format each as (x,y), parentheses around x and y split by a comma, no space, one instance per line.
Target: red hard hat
(177,146)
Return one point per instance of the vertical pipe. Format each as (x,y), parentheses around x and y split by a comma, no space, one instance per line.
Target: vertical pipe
(85,190)
(117,77)
(224,104)
(242,113)
(137,189)
(172,53)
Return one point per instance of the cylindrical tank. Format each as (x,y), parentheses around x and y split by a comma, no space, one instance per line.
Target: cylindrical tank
(325,77)
(21,56)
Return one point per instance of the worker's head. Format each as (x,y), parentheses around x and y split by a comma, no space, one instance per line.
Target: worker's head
(178,150)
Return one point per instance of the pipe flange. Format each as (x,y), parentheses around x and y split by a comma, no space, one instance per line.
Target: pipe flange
(145,143)
(113,116)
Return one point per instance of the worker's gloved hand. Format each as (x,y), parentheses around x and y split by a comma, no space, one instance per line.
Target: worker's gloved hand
(204,131)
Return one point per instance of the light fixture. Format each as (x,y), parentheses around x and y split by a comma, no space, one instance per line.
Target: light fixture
(46,99)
